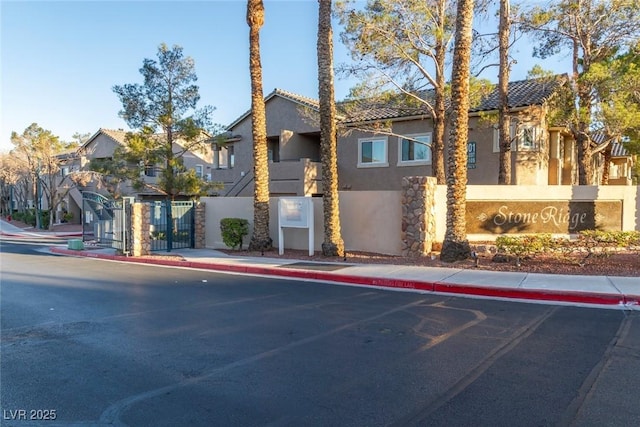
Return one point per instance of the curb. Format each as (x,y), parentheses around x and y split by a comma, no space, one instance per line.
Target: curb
(590,298)
(42,234)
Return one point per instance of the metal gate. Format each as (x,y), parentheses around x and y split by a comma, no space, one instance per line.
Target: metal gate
(172,231)
(106,222)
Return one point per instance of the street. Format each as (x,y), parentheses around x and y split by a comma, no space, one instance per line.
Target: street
(91,342)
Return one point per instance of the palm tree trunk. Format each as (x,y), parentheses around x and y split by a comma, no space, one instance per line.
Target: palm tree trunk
(456,246)
(260,239)
(333,244)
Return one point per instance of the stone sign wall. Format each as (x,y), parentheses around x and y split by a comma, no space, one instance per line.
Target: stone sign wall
(418,219)
(556,217)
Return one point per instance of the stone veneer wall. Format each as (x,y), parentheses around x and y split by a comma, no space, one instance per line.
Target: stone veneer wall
(141,229)
(418,215)
(200,226)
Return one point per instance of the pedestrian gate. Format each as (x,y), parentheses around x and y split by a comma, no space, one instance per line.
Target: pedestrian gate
(172,231)
(105,221)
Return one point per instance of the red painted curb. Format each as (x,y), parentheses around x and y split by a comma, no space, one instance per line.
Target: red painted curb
(445,288)
(532,294)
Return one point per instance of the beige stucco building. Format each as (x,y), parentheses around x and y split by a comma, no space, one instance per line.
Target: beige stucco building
(541,154)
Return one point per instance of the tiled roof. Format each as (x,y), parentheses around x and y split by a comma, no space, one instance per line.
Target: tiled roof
(618,150)
(309,102)
(299,99)
(117,135)
(522,93)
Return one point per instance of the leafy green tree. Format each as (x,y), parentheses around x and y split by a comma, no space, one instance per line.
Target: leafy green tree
(455,245)
(333,244)
(593,31)
(260,239)
(401,46)
(167,124)
(617,82)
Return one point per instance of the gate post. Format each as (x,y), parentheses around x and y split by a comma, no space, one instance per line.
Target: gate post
(418,215)
(140,229)
(199,240)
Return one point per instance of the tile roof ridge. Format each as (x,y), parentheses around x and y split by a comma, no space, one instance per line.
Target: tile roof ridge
(295,96)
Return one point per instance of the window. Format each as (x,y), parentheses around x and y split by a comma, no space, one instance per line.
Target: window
(496,137)
(150,170)
(471,155)
(64,171)
(527,138)
(199,171)
(614,172)
(231,160)
(415,150)
(372,152)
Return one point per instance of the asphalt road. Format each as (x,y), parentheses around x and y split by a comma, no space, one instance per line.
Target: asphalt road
(91,342)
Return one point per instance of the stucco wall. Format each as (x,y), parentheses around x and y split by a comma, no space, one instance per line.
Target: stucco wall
(371,220)
(360,232)
(101,147)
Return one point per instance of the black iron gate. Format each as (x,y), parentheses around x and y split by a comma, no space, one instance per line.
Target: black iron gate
(106,222)
(173,231)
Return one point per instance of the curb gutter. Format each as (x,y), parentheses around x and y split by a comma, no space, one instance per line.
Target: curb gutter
(592,298)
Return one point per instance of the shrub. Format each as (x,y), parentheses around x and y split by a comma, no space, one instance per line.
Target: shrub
(589,242)
(28,217)
(233,231)
(527,245)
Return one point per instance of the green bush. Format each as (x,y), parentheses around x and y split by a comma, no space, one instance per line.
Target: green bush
(28,217)
(527,245)
(609,239)
(589,242)
(233,231)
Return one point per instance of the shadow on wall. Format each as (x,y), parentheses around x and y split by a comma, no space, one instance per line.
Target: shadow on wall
(584,212)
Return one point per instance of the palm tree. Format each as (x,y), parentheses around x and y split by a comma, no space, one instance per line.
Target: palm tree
(456,246)
(333,244)
(260,239)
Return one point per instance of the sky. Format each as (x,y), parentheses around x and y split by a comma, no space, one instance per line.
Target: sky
(61,59)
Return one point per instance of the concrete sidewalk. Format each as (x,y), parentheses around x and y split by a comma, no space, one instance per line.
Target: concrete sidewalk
(609,291)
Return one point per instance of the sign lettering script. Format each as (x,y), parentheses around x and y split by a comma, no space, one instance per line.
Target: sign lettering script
(561,217)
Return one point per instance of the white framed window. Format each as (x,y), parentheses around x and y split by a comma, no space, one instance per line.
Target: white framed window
(414,150)
(496,137)
(527,138)
(372,152)
(199,171)
(64,171)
